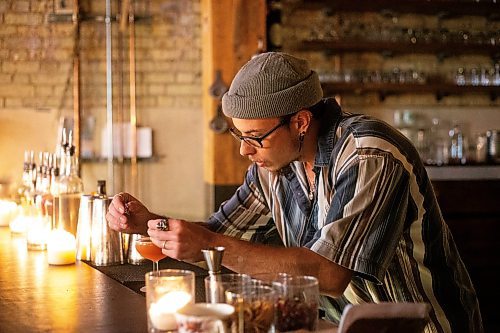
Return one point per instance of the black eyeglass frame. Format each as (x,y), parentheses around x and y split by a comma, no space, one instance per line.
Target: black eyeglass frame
(252,140)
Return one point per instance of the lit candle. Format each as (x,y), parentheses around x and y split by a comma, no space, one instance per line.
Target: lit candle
(61,248)
(8,211)
(20,223)
(162,312)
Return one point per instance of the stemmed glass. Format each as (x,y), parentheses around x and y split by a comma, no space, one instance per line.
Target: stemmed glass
(150,251)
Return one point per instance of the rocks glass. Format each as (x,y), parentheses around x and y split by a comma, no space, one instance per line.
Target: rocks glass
(167,291)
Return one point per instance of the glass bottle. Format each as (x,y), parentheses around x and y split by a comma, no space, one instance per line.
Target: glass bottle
(70,191)
(457,146)
(39,227)
(54,190)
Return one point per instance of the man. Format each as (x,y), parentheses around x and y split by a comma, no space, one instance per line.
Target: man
(347,194)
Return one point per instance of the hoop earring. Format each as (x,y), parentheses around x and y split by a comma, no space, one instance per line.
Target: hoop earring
(301,140)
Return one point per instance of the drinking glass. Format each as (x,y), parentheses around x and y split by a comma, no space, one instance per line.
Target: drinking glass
(150,251)
(168,290)
(297,303)
(216,285)
(254,308)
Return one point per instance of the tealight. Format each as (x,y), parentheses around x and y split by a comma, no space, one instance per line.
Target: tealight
(162,312)
(167,291)
(8,210)
(61,248)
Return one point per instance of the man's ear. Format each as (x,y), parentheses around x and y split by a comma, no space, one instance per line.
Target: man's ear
(303,119)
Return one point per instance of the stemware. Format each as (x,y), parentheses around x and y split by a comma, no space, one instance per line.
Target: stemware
(150,251)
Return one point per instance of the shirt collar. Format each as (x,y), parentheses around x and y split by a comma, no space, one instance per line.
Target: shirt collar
(327,131)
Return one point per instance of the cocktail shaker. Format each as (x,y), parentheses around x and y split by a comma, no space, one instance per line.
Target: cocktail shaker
(133,256)
(83,231)
(106,243)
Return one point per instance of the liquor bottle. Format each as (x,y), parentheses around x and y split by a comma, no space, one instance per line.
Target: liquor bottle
(54,189)
(24,187)
(38,228)
(70,190)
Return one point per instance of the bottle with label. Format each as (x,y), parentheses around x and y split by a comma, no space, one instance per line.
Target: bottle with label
(70,190)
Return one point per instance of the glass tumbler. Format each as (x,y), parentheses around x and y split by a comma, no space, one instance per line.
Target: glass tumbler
(217,284)
(167,291)
(254,308)
(297,303)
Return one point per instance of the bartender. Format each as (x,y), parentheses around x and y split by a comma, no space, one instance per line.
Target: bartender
(340,196)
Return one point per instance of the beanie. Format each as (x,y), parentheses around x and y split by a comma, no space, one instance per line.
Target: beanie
(270,85)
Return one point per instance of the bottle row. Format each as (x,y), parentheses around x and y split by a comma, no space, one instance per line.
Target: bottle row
(50,193)
(442,144)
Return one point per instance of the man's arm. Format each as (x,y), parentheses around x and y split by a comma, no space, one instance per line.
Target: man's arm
(251,258)
(185,240)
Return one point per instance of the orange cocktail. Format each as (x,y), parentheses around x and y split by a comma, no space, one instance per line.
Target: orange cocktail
(149,251)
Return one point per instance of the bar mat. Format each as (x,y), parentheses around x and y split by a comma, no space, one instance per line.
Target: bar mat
(132,276)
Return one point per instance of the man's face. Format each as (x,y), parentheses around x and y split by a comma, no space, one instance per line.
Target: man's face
(279,148)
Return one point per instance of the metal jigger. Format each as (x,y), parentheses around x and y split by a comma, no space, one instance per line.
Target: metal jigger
(213,257)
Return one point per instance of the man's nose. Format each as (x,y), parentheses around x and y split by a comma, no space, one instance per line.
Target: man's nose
(246,149)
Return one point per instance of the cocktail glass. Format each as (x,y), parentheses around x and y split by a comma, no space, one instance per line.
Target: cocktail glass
(150,251)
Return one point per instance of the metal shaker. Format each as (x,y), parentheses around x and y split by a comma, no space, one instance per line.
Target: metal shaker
(106,243)
(84,227)
(133,256)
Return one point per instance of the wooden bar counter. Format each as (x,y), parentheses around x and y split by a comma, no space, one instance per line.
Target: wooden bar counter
(36,297)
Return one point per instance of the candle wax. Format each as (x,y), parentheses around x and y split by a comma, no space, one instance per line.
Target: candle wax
(61,248)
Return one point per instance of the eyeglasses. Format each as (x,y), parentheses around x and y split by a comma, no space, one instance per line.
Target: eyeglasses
(256,141)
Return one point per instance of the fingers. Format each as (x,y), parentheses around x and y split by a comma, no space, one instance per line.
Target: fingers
(115,216)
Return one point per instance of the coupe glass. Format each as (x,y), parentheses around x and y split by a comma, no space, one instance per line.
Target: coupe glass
(150,251)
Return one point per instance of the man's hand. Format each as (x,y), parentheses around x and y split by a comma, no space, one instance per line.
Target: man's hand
(129,215)
(182,241)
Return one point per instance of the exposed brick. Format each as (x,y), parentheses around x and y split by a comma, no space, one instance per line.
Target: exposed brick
(13,102)
(184,89)
(27,19)
(17,90)
(7,30)
(54,78)
(21,78)
(156,89)
(21,6)
(5,78)
(20,66)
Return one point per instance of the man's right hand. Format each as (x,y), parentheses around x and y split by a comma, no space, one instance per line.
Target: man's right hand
(129,215)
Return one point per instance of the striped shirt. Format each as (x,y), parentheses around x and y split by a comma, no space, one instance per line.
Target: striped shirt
(374,212)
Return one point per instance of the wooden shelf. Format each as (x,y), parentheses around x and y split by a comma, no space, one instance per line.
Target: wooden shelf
(429,7)
(116,159)
(389,48)
(441,89)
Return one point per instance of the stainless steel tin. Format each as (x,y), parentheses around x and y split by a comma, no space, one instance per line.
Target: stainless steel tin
(133,256)
(106,243)
(493,146)
(84,227)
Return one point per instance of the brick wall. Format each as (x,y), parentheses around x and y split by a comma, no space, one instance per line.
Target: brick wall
(36,56)
(36,89)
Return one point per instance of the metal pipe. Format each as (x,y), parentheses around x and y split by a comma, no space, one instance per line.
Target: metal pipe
(133,111)
(109,98)
(76,81)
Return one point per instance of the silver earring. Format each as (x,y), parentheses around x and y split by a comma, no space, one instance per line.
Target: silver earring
(301,140)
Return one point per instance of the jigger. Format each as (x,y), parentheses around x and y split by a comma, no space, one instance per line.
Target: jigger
(213,257)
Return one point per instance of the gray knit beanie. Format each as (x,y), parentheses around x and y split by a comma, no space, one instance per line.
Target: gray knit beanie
(272,85)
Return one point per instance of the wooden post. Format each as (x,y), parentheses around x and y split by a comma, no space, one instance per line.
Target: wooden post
(231,30)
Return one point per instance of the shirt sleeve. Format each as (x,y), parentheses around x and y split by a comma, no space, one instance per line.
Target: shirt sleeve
(367,216)
(245,215)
